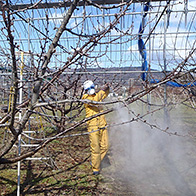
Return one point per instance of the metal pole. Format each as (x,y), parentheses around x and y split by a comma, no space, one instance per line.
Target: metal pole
(4,89)
(29,91)
(149,62)
(165,69)
(20,117)
(185,11)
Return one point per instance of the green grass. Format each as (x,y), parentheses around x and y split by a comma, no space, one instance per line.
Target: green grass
(72,176)
(73,182)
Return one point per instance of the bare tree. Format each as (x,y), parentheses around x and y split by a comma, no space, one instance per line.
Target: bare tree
(63,111)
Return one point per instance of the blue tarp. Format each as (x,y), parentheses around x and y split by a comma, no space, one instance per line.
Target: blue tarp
(142,51)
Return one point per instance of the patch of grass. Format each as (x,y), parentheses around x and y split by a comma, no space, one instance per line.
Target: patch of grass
(73,175)
(8,180)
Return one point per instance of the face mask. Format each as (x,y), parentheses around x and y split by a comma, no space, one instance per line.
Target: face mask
(91,91)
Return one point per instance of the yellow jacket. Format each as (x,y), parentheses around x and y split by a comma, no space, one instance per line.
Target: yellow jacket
(92,109)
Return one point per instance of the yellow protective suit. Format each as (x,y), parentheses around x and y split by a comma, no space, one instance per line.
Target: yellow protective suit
(99,139)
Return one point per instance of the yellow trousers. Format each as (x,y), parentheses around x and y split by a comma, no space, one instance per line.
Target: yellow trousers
(99,146)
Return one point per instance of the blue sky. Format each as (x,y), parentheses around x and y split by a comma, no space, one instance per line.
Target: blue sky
(123,52)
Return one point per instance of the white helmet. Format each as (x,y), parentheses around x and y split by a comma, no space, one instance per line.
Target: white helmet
(89,87)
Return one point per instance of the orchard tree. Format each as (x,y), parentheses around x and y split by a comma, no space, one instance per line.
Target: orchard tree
(55,94)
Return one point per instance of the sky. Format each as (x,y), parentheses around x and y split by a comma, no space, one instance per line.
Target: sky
(177,41)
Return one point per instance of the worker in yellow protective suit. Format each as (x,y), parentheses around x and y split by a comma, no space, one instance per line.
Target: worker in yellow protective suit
(96,126)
